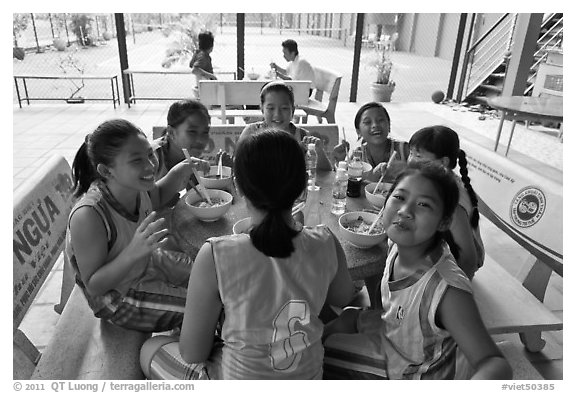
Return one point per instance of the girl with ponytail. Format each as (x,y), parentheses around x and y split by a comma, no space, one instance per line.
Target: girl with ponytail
(114,236)
(270,283)
(441,144)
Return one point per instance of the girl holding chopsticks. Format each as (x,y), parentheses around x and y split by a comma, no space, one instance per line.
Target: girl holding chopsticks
(188,128)
(114,235)
(429,326)
(372,123)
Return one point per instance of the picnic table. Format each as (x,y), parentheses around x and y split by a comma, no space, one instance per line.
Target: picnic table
(190,233)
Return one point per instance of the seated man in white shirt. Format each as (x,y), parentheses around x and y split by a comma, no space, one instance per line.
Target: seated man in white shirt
(298,68)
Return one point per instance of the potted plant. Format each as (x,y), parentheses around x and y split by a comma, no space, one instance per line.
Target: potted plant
(383,87)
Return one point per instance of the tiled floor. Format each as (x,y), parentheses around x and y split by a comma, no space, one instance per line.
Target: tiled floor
(41,130)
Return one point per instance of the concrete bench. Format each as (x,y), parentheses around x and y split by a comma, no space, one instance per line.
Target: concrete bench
(82,346)
(245,92)
(528,208)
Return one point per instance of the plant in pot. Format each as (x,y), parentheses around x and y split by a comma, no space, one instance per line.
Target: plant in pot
(383,87)
(19,25)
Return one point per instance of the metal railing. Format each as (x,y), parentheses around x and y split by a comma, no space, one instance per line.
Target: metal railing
(487,53)
(551,39)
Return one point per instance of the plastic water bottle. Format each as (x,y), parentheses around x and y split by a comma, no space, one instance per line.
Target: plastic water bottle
(339,191)
(355,175)
(311,161)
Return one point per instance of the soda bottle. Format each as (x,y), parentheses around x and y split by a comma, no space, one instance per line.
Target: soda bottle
(355,175)
(339,191)
(311,161)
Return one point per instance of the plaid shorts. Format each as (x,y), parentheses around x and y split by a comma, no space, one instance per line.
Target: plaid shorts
(155,303)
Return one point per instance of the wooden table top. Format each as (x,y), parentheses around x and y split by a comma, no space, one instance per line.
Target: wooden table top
(542,107)
(191,233)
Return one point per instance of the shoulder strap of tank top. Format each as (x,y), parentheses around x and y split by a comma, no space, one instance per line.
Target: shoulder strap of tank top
(106,217)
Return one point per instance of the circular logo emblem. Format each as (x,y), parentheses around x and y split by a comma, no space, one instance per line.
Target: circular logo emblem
(527,207)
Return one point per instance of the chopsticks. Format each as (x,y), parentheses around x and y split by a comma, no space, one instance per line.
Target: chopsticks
(199,187)
(346,148)
(378,217)
(298,207)
(219,173)
(392,157)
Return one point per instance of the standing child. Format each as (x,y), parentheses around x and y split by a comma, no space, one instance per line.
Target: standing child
(113,233)
(270,284)
(441,144)
(372,124)
(429,316)
(201,62)
(277,105)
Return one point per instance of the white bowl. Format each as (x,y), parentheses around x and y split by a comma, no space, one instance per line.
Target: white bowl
(212,180)
(242,226)
(209,214)
(360,240)
(377,199)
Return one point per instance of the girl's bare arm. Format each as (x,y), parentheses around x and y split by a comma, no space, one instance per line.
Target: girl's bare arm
(458,314)
(90,244)
(203,307)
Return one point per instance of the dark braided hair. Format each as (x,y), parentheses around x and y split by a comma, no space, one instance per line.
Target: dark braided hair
(463,164)
(270,171)
(444,142)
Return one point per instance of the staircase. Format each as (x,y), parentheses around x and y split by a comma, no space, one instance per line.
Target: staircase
(486,60)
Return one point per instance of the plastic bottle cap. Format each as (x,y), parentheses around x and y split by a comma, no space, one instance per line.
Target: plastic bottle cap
(311,146)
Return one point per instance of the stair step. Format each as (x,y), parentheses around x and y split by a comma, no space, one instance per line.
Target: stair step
(492,88)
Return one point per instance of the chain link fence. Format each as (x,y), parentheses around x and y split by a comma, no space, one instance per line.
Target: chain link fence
(78,44)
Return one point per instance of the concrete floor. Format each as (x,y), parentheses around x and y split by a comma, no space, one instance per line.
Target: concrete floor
(41,130)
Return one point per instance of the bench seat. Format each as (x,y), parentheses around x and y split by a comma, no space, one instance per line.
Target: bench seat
(506,305)
(85,347)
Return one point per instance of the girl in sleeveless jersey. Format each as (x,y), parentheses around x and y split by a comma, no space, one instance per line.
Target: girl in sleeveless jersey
(372,123)
(429,327)
(114,234)
(270,283)
(277,105)
(441,144)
